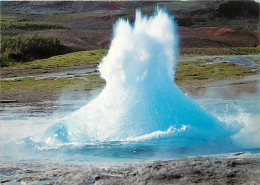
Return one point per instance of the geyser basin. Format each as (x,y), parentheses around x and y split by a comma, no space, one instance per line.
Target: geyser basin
(141,112)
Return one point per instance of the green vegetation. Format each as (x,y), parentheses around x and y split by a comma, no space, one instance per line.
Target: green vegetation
(197,70)
(94,56)
(51,84)
(12,22)
(71,59)
(220,51)
(8,18)
(194,76)
(28,25)
(23,48)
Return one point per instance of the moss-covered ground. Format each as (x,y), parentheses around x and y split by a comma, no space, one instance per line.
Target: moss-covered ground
(71,59)
(185,52)
(91,81)
(94,57)
(197,70)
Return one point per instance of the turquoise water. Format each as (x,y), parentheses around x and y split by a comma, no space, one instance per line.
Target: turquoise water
(157,147)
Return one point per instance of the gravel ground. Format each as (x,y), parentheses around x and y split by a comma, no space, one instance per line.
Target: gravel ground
(237,168)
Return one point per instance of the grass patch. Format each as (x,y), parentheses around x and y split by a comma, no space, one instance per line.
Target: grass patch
(194,76)
(31,25)
(51,84)
(12,22)
(8,18)
(23,48)
(71,59)
(220,51)
(94,56)
(81,75)
(197,70)
(94,81)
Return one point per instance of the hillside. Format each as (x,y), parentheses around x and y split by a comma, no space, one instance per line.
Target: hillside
(89,24)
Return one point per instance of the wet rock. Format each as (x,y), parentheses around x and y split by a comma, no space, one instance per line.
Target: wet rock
(8,171)
(238,168)
(4,181)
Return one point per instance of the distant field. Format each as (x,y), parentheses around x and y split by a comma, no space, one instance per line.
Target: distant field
(220,51)
(12,22)
(91,81)
(195,76)
(71,59)
(47,89)
(23,48)
(197,70)
(94,57)
(26,25)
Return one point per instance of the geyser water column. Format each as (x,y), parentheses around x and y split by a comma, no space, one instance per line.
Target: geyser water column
(140,99)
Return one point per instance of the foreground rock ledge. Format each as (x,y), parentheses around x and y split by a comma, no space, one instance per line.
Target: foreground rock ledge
(237,168)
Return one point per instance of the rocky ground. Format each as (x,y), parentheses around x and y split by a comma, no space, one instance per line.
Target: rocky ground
(237,168)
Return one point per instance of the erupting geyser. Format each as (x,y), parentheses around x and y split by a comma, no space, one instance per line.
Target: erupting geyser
(140,100)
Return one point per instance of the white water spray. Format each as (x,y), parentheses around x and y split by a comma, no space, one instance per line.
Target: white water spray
(140,98)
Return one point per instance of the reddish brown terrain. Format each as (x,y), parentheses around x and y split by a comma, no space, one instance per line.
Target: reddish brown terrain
(89,24)
(232,36)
